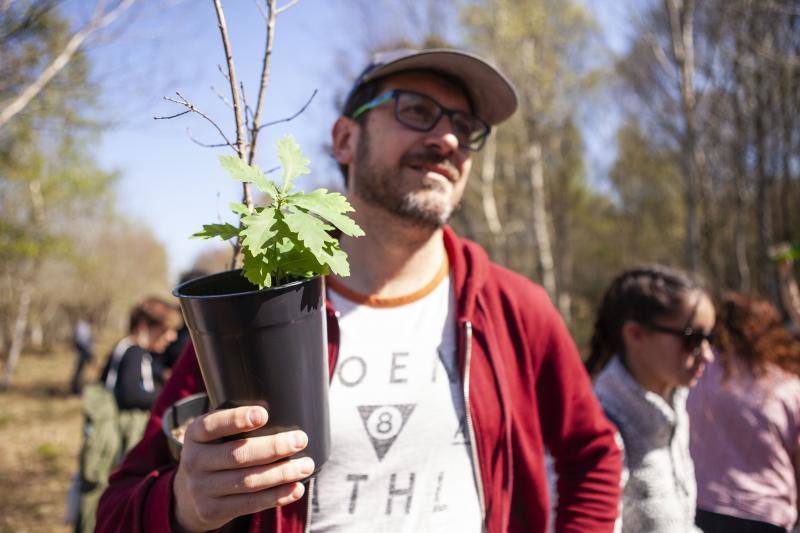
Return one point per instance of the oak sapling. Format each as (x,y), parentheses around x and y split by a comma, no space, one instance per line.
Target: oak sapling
(290,238)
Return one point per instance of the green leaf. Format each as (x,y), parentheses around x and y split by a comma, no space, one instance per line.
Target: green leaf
(292,160)
(312,231)
(259,228)
(336,259)
(330,206)
(257,269)
(239,209)
(223,231)
(241,171)
(296,260)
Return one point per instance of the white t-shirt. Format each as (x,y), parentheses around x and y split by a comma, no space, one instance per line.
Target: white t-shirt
(400,458)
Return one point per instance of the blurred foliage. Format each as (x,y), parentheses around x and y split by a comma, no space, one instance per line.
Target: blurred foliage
(709,122)
(64,249)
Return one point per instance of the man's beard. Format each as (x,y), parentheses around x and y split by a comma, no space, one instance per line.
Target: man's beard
(377,185)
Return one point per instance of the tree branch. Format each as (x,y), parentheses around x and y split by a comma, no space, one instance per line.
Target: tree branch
(271,14)
(221,97)
(191,108)
(97,22)
(289,4)
(247,197)
(223,29)
(206,145)
(287,119)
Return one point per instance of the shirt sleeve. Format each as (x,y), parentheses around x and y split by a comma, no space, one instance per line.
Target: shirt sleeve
(139,495)
(583,443)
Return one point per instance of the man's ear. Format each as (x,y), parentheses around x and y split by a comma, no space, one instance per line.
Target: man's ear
(345,138)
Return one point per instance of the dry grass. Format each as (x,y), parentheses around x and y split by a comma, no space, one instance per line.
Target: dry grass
(40,436)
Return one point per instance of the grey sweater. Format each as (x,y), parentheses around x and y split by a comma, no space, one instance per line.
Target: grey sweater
(660,491)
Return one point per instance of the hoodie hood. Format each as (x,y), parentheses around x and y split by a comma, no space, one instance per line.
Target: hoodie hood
(469,268)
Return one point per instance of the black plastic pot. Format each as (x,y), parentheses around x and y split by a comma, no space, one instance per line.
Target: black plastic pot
(264,347)
(181,413)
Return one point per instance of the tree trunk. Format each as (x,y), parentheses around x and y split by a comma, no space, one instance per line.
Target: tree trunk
(763,208)
(18,336)
(681,26)
(488,171)
(540,231)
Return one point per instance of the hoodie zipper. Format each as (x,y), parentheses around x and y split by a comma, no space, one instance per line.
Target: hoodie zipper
(310,491)
(468,419)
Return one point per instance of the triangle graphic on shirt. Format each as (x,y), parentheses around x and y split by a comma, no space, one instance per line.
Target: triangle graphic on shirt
(383,424)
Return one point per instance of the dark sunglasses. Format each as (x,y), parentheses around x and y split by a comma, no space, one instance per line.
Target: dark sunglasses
(692,340)
(421,113)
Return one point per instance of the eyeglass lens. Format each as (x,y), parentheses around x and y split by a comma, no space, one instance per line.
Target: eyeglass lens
(422,113)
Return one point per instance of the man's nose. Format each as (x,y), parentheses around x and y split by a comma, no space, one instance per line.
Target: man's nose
(442,136)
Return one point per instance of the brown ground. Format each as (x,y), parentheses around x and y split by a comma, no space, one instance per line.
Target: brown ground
(40,435)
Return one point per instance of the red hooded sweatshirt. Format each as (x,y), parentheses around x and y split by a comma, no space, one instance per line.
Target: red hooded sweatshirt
(527,390)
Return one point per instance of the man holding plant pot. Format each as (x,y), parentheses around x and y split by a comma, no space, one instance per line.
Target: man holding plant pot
(449,374)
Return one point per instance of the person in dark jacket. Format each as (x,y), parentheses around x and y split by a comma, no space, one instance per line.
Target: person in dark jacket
(116,409)
(134,372)
(450,375)
(83,343)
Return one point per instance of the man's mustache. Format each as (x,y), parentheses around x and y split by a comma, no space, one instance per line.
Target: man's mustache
(430,156)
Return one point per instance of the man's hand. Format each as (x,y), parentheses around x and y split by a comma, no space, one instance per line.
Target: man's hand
(218,481)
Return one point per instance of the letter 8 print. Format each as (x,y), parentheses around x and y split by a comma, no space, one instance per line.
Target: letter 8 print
(385,422)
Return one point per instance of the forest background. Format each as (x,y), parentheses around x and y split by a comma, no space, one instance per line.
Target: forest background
(648,131)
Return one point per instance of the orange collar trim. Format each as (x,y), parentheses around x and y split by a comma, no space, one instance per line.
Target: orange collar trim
(376,301)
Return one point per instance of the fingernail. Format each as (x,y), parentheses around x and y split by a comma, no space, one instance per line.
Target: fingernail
(305,465)
(256,417)
(298,440)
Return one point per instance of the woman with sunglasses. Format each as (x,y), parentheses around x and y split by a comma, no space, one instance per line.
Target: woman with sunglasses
(745,415)
(650,343)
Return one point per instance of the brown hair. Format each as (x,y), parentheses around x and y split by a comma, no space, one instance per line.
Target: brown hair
(752,329)
(155,311)
(641,294)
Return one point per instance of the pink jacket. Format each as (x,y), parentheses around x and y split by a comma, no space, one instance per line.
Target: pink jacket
(527,390)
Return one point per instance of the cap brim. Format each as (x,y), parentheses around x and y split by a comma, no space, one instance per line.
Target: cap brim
(493,96)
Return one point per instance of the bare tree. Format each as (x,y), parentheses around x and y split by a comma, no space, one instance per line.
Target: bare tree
(101,18)
(246,120)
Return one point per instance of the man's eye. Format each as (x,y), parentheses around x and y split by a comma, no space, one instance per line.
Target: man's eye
(419,111)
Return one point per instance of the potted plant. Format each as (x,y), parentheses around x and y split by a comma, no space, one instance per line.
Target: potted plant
(259,331)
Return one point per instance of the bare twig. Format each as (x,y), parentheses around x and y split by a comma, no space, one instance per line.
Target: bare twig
(287,119)
(207,145)
(191,108)
(173,116)
(248,112)
(261,9)
(255,127)
(247,197)
(226,43)
(224,74)
(289,4)
(221,97)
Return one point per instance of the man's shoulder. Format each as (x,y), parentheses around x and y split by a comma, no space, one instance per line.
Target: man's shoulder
(517,288)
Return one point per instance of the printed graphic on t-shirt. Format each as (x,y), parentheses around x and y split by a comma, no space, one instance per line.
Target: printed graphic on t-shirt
(401,458)
(383,423)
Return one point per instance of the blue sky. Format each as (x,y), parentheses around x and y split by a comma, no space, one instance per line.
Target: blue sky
(172,185)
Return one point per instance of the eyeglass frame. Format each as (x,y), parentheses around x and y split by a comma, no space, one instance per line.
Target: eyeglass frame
(443,111)
(685,335)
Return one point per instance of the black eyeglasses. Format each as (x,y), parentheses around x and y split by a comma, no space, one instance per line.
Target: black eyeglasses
(692,340)
(421,113)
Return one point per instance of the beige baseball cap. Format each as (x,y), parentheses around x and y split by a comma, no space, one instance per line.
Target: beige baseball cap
(493,96)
